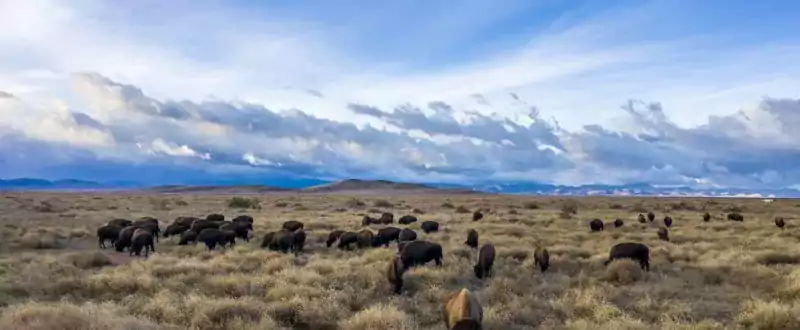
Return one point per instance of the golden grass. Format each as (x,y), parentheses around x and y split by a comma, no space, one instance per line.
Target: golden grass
(711,275)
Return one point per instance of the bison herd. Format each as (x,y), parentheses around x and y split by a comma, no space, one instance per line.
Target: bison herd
(461,310)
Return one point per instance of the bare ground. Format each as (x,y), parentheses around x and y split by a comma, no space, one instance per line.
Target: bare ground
(714,275)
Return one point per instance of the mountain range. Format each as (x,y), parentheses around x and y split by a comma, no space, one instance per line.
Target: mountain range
(389,187)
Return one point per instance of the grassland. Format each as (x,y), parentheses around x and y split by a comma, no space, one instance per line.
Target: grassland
(711,275)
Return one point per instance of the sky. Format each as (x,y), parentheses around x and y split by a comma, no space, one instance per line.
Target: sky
(679,92)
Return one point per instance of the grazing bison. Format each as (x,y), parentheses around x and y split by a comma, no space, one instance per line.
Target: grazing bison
(706,217)
(364,238)
(211,237)
(267,240)
(333,236)
(651,216)
(200,225)
(107,233)
(407,219)
(618,223)
(386,218)
(124,239)
(150,224)
(472,239)
(780,222)
(185,221)
(641,218)
(240,228)
(407,235)
(215,217)
(122,223)
(283,241)
(368,220)
(541,257)
(189,236)
(394,274)
(293,225)
(663,234)
(385,236)
(462,311)
(485,261)
(299,240)
(419,253)
(629,250)
(174,229)
(477,215)
(142,238)
(346,239)
(735,217)
(429,226)
(668,221)
(596,225)
(243,218)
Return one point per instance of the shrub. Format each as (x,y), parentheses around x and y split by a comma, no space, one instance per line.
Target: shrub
(569,207)
(244,203)
(623,271)
(531,205)
(382,203)
(462,209)
(354,203)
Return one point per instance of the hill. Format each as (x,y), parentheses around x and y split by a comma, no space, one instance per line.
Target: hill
(244,189)
(380,186)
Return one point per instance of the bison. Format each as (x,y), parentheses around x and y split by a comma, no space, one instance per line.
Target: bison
(185,221)
(142,238)
(618,223)
(429,226)
(707,217)
(364,238)
(228,237)
(663,234)
(596,225)
(735,217)
(124,239)
(292,225)
(174,229)
(668,221)
(780,222)
(346,239)
(122,223)
(267,240)
(215,217)
(472,239)
(189,236)
(419,253)
(150,224)
(629,250)
(407,235)
(386,218)
(477,215)
(299,240)
(641,218)
(394,274)
(385,236)
(368,220)
(283,240)
(211,237)
(240,229)
(333,236)
(541,257)
(485,261)
(243,218)
(107,233)
(200,225)
(651,216)
(462,311)
(407,220)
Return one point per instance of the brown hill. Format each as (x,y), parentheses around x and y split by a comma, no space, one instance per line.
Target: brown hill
(253,189)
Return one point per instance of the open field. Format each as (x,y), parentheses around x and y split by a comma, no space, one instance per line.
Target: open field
(711,275)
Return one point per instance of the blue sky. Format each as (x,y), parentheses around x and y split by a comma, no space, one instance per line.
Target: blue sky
(701,93)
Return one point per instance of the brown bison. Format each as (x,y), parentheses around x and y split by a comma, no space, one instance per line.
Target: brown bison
(333,236)
(386,218)
(347,239)
(283,240)
(394,274)
(596,225)
(107,233)
(780,222)
(299,241)
(462,311)
(142,238)
(211,237)
(215,217)
(187,237)
(618,223)
(124,239)
(707,217)
(240,228)
(486,256)
(243,218)
(416,253)
(185,221)
(735,217)
(651,216)
(429,226)
(629,250)
(228,237)
(150,224)
(663,234)
(293,225)
(407,235)
(200,225)
(477,215)
(641,218)
(122,223)
(267,239)
(472,239)
(541,257)
(368,220)
(364,238)
(407,220)
(668,221)
(385,236)
(174,229)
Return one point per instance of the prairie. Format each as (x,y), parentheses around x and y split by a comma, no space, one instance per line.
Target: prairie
(719,274)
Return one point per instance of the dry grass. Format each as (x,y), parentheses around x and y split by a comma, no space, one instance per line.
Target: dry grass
(712,275)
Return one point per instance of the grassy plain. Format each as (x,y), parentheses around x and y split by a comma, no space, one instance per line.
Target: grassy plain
(711,275)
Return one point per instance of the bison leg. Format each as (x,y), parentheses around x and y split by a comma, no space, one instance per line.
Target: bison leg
(102,243)
(646,265)
(438,261)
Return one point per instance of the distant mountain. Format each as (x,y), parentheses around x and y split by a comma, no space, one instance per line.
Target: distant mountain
(355,185)
(248,189)
(39,184)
